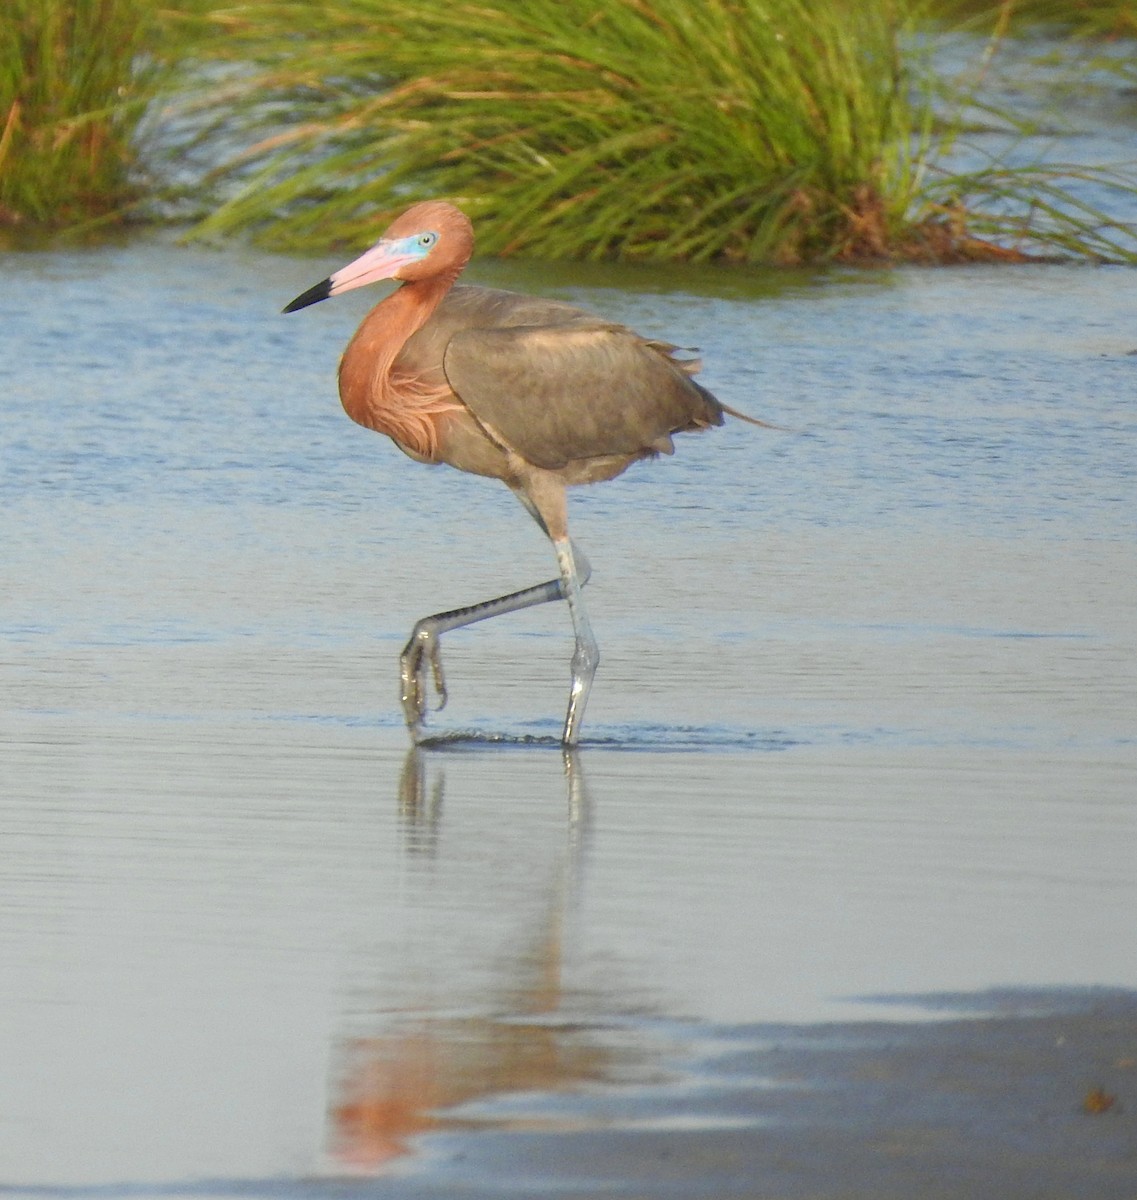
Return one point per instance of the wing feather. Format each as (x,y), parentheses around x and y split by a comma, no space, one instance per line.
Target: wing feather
(575,390)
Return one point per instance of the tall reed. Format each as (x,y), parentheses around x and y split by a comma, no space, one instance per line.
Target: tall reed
(71,95)
(746,130)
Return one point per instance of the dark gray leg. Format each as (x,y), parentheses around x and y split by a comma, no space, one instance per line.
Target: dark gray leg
(422,650)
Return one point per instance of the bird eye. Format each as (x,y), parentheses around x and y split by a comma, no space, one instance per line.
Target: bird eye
(426,240)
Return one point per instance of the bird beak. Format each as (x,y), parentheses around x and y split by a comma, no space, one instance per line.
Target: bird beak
(383,261)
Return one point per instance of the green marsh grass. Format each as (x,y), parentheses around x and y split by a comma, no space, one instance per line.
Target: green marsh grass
(741,130)
(72,84)
(777,131)
(772,131)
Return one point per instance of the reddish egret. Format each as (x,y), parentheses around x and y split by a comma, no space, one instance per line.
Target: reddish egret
(533,392)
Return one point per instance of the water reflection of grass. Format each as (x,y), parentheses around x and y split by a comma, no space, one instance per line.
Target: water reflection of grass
(762,131)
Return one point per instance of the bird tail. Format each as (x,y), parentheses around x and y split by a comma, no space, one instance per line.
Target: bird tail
(733,412)
(691,366)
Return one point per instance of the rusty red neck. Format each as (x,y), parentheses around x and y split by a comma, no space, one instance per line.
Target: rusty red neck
(374,393)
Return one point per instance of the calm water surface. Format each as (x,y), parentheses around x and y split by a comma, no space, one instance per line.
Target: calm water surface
(865,725)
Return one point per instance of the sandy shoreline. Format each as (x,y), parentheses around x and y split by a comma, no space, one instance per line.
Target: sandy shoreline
(995,1107)
(1037,1100)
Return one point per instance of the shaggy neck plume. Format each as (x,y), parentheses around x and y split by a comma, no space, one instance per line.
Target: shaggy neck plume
(375,393)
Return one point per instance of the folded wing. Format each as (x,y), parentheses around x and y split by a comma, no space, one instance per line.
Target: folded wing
(575,390)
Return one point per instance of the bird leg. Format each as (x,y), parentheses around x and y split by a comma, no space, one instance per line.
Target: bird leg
(586,656)
(423,648)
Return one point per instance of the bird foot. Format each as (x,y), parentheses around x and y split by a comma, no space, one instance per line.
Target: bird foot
(422,649)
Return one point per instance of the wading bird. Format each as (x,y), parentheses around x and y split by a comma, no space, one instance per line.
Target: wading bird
(534,392)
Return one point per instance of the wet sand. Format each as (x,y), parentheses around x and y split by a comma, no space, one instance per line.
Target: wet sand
(1039,1100)
(1027,1095)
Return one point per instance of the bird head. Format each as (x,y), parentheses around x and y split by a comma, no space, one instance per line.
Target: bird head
(429,240)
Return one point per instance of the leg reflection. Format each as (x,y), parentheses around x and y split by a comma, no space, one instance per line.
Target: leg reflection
(420,818)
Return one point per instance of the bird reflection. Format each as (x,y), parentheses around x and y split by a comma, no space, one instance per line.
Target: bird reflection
(398,1083)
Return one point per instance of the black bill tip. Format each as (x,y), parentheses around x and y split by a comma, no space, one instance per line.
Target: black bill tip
(321,291)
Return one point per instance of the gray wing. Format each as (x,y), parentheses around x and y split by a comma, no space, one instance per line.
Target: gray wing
(577,390)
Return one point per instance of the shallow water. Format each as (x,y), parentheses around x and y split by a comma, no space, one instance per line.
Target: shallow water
(865,724)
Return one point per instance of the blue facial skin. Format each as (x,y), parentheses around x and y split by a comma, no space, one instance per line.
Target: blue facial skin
(418,245)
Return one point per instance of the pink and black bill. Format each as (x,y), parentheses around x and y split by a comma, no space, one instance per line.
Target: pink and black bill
(316,293)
